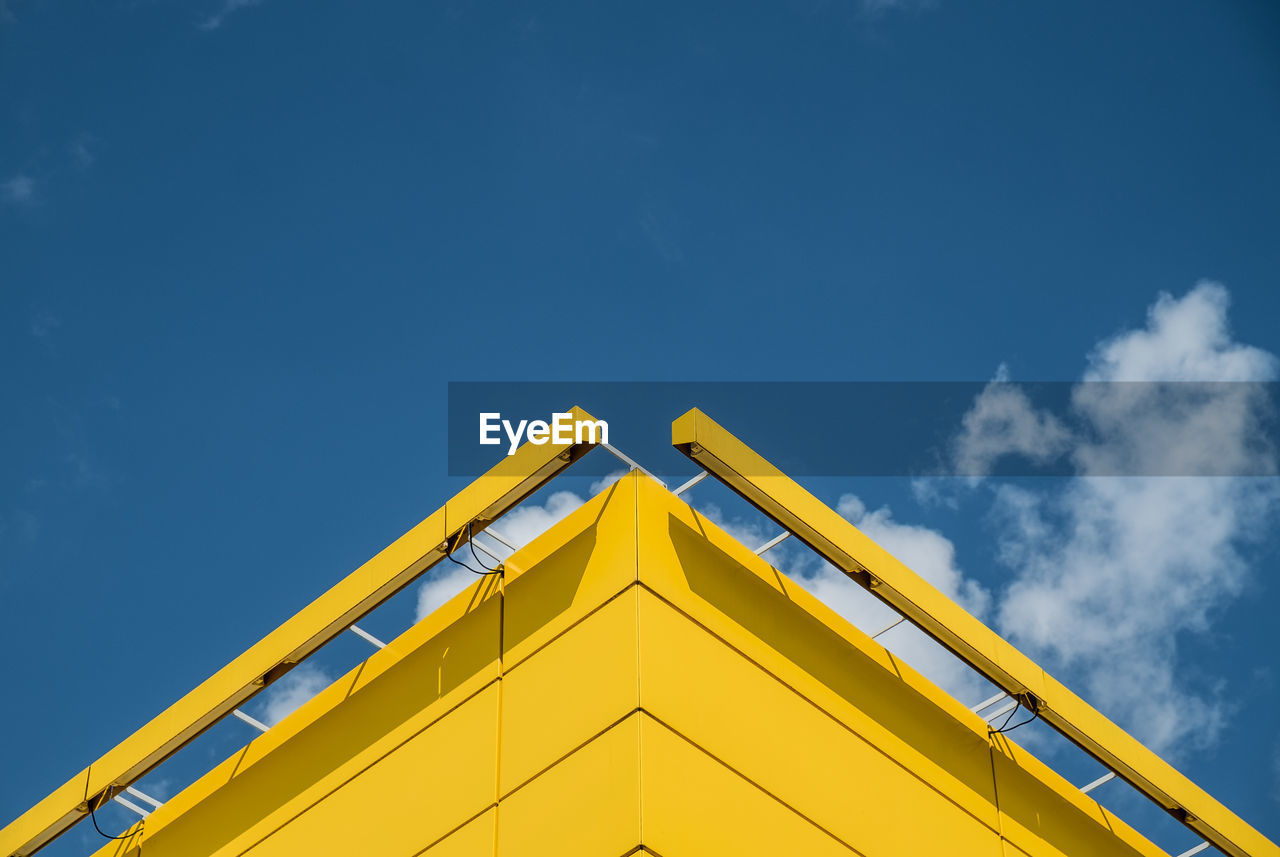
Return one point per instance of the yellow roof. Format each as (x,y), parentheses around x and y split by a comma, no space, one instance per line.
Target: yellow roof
(639,679)
(636,682)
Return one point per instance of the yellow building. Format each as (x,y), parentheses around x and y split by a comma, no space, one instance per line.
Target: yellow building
(635,682)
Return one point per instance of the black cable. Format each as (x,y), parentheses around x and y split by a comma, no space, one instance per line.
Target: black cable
(472,542)
(1005,727)
(449,556)
(1012,711)
(94,819)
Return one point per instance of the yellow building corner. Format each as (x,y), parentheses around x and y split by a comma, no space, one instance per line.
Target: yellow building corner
(639,682)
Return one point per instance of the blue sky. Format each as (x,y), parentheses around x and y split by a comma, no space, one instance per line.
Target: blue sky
(244,247)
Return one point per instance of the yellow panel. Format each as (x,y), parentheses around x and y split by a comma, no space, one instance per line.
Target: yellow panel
(694,805)
(738,713)
(411,798)
(580,562)
(570,690)
(1045,816)
(474,839)
(588,804)
(850,550)
(694,565)
(695,568)
(419,677)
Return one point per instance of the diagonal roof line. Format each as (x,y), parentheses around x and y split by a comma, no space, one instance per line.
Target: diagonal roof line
(488,498)
(843,545)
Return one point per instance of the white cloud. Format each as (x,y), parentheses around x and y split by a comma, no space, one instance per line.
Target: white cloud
(229,7)
(291,691)
(442,583)
(1003,422)
(1142,429)
(19,189)
(81,151)
(1112,573)
(1186,339)
(526,522)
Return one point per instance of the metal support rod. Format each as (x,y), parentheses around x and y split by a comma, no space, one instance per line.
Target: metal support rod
(499,538)
(491,552)
(366,636)
(1004,709)
(484,550)
(895,623)
(1102,780)
(987,703)
(143,796)
(630,462)
(692,482)
(772,543)
(1188,853)
(128,804)
(256,724)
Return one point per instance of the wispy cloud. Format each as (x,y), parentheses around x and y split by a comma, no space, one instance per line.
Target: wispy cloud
(37,181)
(81,151)
(1112,575)
(658,225)
(1003,422)
(19,189)
(228,8)
(43,325)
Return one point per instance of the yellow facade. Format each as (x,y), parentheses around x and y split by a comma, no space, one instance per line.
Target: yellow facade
(850,550)
(637,683)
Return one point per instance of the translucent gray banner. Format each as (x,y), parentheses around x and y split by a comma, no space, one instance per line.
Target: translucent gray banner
(916,429)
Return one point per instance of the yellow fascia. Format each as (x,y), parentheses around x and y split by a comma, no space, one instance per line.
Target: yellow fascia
(843,545)
(484,501)
(693,575)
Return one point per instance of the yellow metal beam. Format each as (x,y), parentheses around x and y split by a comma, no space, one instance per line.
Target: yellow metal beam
(847,548)
(484,501)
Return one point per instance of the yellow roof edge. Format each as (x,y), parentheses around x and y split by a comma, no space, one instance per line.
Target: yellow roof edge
(366,672)
(748,474)
(482,502)
(795,591)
